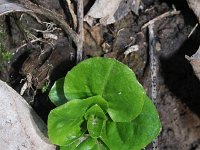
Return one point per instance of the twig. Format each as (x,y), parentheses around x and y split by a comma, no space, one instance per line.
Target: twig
(154,71)
(193,30)
(20,50)
(169,13)
(68,16)
(74,17)
(80,30)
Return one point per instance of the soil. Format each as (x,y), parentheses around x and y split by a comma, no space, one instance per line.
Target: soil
(178,100)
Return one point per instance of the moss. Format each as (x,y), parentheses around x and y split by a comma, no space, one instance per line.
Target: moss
(5,55)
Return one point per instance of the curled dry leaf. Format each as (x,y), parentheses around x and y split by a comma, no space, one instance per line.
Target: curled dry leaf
(111,11)
(195,62)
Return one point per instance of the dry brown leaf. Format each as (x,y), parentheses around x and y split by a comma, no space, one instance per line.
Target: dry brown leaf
(93,38)
(195,62)
(111,11)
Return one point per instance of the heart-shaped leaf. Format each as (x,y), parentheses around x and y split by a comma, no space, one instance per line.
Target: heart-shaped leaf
(136,134)
(112,80)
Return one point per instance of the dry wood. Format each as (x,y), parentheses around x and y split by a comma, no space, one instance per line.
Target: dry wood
(167,14)
(54,17)
(192,31)
(80,30)
(153,71)
(73,15)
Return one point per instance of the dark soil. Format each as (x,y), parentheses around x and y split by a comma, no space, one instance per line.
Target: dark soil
(178,100)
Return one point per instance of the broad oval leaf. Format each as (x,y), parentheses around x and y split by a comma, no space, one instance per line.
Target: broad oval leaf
(136,134)
(64,122)
(86,143)
(56,93)
(112,80)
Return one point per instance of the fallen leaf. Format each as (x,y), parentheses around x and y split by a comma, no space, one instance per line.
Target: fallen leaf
(195,62)
(111,11)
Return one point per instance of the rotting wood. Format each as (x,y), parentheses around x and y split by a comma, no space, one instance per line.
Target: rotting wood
(77,38)
(20,27)
(7,7)
(37,9)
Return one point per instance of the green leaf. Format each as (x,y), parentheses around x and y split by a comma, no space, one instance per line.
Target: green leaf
(56,93)
(134,135)
(65,122)
(112,80)
(96,110)
(95,121)
(86,143)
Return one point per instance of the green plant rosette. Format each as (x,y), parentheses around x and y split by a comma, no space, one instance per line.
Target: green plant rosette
(101,105)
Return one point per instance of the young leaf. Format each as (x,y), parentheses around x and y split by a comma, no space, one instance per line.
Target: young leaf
(95,121)
(95,110)
(112,80)
(134,135)
(56,93)
(64,122)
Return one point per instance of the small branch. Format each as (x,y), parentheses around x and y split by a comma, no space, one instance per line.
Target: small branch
(169,13)
(192,31)
(154,71)
(74,17)
(80,30)
(65,8)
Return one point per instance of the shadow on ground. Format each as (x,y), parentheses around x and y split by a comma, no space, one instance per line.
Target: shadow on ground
(179,76)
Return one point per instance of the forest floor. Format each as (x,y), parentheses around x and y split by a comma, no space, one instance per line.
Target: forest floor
(50,56)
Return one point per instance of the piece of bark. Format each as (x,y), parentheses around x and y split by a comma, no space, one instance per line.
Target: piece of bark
(20,127)
(7,7)
(43,65)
